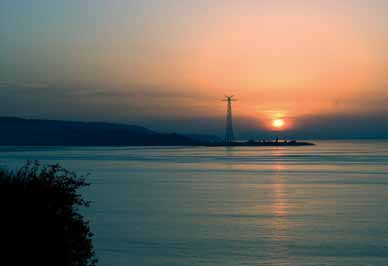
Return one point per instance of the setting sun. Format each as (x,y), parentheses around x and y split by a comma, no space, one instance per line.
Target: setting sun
(278,123)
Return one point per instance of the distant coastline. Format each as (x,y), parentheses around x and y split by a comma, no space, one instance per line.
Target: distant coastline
(253,143)
(33,132)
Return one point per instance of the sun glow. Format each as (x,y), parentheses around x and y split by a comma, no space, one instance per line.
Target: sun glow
(278,123)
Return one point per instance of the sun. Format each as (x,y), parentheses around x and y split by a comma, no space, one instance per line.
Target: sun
(278,123)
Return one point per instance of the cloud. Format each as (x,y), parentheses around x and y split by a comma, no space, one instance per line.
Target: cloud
(180,110)
(133,91)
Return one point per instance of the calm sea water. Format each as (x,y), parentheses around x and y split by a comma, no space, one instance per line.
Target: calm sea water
(319,206)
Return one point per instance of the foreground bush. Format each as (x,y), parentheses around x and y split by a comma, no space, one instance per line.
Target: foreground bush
(40,223)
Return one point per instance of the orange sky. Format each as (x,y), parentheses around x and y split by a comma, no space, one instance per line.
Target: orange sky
(284,59)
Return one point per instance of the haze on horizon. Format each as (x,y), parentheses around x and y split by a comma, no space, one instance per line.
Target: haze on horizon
(166,64)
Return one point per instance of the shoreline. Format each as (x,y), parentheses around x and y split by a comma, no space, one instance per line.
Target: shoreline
(262,144)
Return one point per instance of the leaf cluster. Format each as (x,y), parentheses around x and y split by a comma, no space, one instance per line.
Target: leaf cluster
(40,220)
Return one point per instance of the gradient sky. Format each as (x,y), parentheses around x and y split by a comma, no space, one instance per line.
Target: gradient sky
(321,65)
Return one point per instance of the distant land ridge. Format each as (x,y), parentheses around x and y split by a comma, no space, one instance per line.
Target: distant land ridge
(19,131)
(16,131)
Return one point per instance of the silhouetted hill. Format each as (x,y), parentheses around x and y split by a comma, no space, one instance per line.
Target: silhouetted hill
(18,131)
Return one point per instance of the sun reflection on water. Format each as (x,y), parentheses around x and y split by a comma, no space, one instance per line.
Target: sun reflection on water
(279,224)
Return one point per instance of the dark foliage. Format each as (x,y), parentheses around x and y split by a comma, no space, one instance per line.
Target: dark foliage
(40,221)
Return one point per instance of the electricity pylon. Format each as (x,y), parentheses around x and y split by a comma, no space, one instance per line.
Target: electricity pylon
(229,135)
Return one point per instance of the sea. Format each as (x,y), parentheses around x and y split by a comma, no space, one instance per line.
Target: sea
(323,205)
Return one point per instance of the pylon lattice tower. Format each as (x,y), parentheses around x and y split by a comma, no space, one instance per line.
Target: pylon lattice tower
(229,134)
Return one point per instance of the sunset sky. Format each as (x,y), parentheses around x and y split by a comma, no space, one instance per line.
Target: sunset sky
(320,65)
